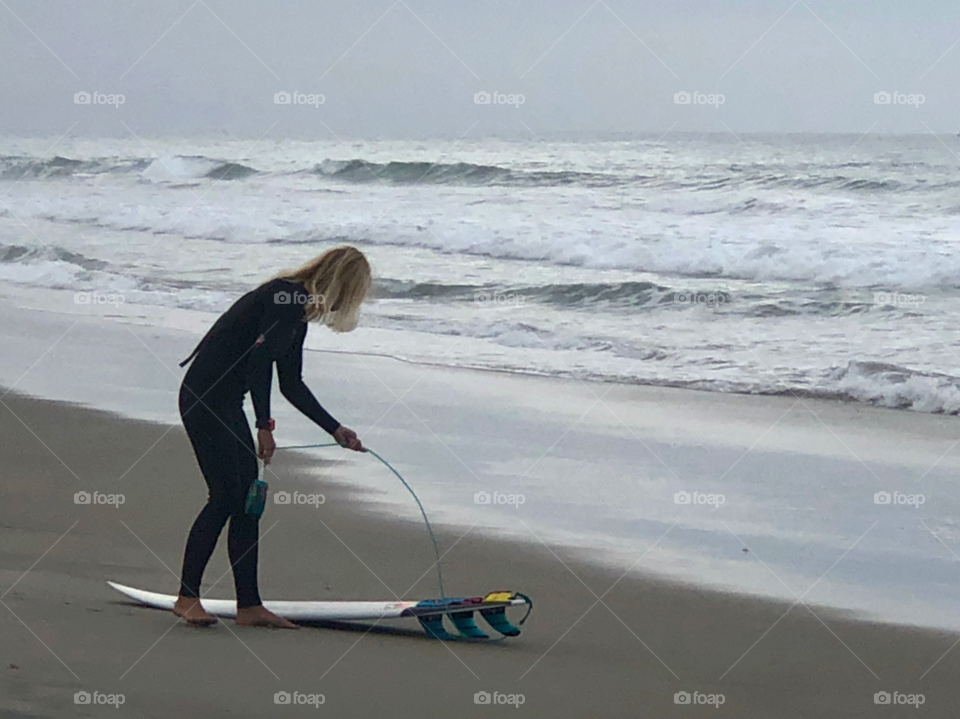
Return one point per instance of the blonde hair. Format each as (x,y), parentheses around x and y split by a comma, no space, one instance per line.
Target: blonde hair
(337,283)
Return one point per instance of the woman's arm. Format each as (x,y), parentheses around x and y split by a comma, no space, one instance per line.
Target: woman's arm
(292,386)
(275,334)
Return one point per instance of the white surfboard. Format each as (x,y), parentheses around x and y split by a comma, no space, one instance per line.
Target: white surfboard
(430,612)
(302,611)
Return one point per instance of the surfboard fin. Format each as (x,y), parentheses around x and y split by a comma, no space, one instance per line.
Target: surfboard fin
(465,624)
(433,625)
(497,618)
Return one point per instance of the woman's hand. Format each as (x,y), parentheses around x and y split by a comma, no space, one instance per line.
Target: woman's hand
(348,438)
(267,445)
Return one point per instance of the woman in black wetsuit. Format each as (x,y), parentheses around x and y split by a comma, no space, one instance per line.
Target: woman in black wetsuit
(265,326)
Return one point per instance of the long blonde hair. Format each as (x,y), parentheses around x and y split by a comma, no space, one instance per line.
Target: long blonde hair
(337,283)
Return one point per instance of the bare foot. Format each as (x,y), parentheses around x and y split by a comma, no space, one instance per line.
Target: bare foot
(261,617)
(189,608)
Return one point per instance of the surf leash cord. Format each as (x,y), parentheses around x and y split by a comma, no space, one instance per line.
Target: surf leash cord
(423,512)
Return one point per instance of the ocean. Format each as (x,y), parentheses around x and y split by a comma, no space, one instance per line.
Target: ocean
(815,266)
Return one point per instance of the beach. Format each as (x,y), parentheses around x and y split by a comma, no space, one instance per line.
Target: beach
(600,643)
(631,379)
(646,315)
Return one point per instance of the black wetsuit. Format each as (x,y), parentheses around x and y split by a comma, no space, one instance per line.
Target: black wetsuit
(237,356)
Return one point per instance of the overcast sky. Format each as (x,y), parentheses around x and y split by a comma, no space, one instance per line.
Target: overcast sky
(412,68)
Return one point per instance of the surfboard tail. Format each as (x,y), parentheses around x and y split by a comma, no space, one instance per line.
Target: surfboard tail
(461,610)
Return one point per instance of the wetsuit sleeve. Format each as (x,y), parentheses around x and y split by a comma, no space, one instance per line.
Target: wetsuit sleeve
(290,372)
(275,335)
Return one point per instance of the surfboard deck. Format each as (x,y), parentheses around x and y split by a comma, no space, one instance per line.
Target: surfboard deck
(430,612)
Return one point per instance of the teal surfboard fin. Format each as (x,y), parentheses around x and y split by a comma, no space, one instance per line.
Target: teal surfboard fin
(497,618)
(433,625)
(465,624)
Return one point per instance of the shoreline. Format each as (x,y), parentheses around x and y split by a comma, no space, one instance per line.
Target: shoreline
(600,465)
(800,394)
(307,470)
(195,322)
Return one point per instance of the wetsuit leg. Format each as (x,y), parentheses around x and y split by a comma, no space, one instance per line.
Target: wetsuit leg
(221,439)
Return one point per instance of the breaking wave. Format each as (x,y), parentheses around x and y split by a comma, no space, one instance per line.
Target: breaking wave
(459,173)
(857,178)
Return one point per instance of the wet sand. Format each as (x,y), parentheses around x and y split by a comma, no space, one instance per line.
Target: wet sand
(599,643)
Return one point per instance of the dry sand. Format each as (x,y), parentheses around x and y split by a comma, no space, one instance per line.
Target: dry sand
(594,646)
